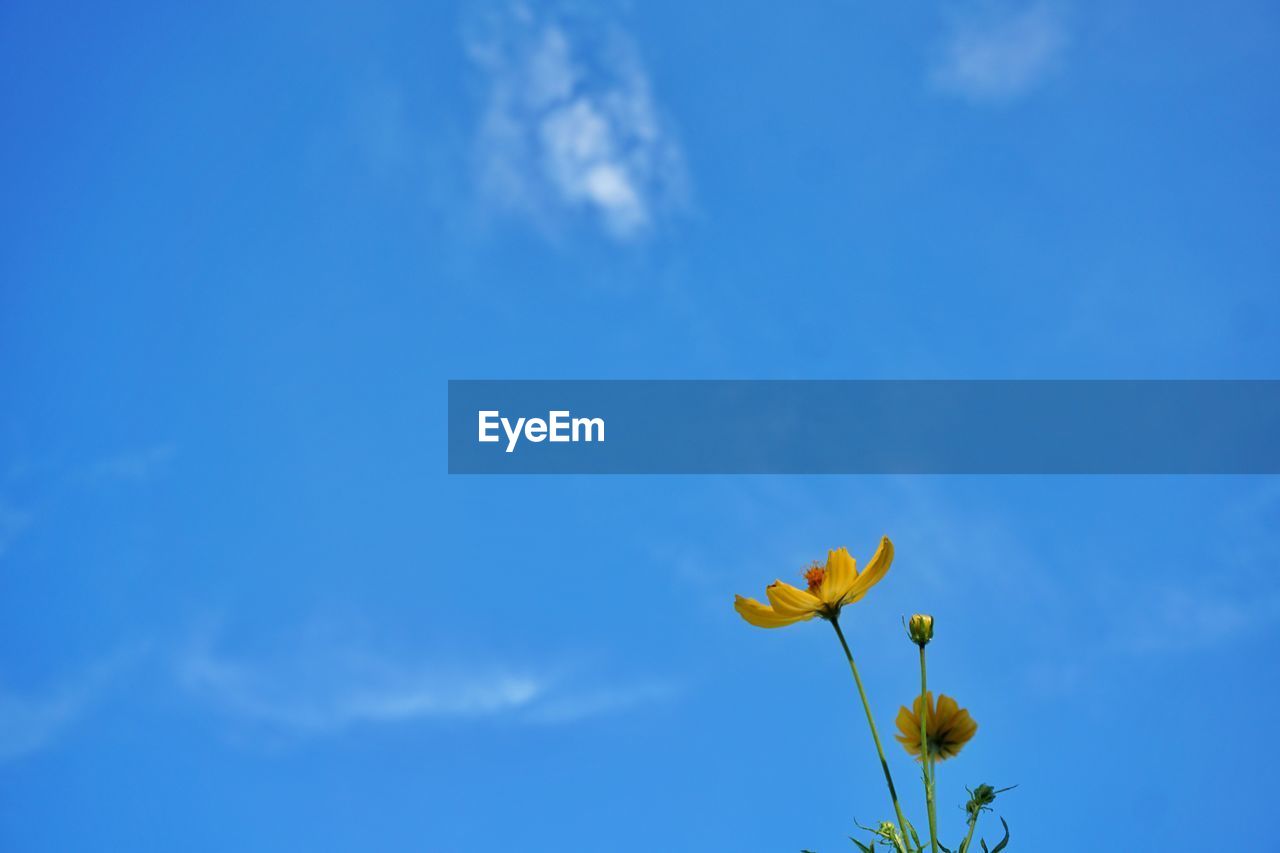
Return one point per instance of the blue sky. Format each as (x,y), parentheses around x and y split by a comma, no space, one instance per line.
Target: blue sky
(242,606)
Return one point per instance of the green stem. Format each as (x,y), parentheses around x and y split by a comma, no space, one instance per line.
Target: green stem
(973,823)
(926,760)
(875,736)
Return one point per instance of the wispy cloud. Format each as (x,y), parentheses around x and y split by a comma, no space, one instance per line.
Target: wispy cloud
(939,532)
(322,691)
(46,484)
(1240,597)
(136,465)
(571,125)
(28,723)
(579,704)
(1181,618)
(998,52)
(13,521)
(33,720)
(379,127)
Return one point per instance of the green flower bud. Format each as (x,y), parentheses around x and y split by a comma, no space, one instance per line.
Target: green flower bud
(920,629)
(981,797)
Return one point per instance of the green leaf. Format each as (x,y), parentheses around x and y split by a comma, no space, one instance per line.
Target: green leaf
(1004,842)
(864,848)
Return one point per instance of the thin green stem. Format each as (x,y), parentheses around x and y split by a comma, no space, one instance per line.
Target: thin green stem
(926,759)
(933,796)
(973,823)
(875,736)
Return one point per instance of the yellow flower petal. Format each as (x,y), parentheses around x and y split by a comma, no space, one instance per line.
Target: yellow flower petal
(948,726)
(909,725)
(963,727)
(873,573)
(841,573)
(947,709)
(763,616)
(791,601)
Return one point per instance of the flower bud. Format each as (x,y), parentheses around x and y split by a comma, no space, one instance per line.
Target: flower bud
(888,832)
(981,797)
(920,629)
(984,795)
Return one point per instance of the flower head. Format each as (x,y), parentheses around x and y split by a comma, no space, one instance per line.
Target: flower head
(948,727)
(828,588)
(920,629)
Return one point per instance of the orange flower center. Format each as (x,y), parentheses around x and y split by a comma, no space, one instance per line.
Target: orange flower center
(814,577)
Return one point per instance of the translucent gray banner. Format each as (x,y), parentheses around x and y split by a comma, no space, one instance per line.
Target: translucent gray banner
(864,427)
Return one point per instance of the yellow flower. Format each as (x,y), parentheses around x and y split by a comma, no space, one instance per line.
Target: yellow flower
(948,727)
(829,588)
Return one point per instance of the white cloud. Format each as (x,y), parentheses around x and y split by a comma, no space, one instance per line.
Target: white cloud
(28,723)
(13,521)
(379,127)
(32,721)
(1179,618)
(137,465)
(319,691)
(999,52)
(570,125)
(1238,598)
(578,705)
